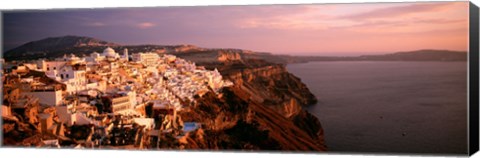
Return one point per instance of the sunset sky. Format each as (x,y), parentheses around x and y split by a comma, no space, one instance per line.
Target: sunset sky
(333,29)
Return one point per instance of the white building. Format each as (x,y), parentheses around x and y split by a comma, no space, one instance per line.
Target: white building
(95,57)
(50,67)
(147,59)
(68,70)
(74,77)
(66,116)
(125,54)
(110,54)
(48,97)
(132,95)
(121,104)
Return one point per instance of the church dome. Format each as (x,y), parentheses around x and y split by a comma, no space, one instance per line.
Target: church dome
(109,52)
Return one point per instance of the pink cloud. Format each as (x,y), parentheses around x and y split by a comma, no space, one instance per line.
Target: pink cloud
(280,18)
(145,25)
(96,24)
(395,12)
(282,24)
(431,23)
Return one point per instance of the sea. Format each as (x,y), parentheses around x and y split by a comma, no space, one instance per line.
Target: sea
(389,106)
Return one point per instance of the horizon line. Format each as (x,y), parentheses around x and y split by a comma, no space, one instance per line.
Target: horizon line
(316,53)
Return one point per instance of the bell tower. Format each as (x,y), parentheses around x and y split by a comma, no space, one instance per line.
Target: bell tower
(125,54)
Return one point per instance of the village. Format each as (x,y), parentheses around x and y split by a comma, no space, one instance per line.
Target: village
(104,100)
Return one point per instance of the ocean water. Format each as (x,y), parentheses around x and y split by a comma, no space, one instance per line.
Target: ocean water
(389,107)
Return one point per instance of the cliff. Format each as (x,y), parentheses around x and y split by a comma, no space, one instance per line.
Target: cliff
(264,83)
(272,85)
(262,111)
(231,122)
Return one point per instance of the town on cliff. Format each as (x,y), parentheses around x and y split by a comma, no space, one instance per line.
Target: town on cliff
(152,100)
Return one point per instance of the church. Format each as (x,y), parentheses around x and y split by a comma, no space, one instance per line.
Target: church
(108,54)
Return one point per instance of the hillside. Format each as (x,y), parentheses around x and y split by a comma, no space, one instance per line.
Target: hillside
(52,45)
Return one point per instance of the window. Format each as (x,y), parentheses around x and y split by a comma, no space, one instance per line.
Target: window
(54,68)
(61,76)
(67,76)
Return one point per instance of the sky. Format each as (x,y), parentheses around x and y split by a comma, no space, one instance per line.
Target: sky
(321,29)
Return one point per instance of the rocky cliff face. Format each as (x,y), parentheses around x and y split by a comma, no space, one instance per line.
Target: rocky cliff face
(262,111)
(225,57)
(273,86)
(233,122)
